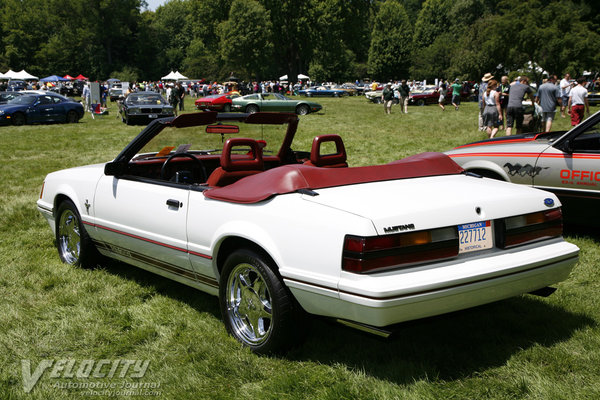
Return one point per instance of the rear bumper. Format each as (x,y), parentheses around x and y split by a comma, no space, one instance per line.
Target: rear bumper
(389,298)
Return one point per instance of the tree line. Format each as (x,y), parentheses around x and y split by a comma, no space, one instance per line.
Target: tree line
(329,40)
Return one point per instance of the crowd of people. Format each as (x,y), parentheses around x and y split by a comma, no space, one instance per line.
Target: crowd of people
(503,104)
(500,101)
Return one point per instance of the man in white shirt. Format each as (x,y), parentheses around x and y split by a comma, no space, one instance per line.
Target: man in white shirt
(578,101)
(565,89)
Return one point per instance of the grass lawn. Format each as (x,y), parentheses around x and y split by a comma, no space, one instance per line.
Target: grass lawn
(526,347)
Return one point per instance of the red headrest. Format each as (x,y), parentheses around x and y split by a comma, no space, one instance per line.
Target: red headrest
(319,160)
(253,161)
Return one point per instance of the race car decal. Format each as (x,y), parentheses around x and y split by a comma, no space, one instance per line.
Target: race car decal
(499,141)
(578,156)
(523,170)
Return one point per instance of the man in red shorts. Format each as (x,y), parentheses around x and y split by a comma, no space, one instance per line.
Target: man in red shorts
(578,102)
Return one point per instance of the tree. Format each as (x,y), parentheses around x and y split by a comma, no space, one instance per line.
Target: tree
(433,20)
(292,35)
(246,48)
(390,42)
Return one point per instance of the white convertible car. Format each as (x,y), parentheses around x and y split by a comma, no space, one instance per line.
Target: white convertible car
(275,233)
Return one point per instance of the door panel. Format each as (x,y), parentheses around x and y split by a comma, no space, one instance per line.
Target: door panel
(143,221)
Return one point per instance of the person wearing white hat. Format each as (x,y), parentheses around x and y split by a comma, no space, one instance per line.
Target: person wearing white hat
(482,89)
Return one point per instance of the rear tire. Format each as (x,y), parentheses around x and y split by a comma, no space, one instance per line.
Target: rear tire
(257,308)
(227,108)
(74,245)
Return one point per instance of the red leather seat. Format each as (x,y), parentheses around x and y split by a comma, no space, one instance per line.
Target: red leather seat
(335,160)
(238,166)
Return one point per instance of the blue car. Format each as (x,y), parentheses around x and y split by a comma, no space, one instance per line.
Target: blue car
(315,91)
(32,108)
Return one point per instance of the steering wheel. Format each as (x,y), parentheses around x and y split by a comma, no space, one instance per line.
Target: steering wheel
(202,178)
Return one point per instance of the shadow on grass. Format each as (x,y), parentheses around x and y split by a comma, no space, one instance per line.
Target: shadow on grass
(447,347)
(579,230)
(202,302)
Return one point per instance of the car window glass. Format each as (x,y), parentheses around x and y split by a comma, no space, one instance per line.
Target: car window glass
(207,144)
(56,100)
(45,100)
(588,140)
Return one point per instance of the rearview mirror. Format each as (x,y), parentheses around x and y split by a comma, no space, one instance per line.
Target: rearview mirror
(222,129)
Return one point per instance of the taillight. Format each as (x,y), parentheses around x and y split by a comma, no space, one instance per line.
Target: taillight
(532,227)
(366,254)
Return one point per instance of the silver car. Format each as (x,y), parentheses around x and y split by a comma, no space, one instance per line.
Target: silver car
(566,163)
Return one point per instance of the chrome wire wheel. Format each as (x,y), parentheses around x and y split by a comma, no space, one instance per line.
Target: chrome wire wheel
(69,237)
(248,304)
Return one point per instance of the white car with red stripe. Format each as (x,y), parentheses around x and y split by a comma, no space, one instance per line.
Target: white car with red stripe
(565,163)
(276,234)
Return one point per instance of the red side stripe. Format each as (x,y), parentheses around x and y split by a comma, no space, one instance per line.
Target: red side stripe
(149,240)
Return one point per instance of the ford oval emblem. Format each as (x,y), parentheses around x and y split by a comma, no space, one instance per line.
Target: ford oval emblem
(548,202)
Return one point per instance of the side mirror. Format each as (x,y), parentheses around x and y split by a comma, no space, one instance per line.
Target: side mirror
(567,146)
(115,168)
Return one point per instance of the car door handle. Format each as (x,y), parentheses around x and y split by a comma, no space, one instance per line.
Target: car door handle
(174,203)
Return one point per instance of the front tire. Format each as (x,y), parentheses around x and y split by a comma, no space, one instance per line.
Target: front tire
(257,309)
(251,109)
(74,245)
(302,109)
(19,119)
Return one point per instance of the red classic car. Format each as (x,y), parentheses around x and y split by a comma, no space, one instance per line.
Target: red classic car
(216,102)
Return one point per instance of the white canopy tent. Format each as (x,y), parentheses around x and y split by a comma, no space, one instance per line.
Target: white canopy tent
(173,76)
(26,76)
(10,74)
(2,76)
(169,77)
(178,75)
(300,77)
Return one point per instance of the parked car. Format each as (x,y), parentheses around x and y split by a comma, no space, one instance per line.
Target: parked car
(39,107)
(276,233)
(116,91)
(594,94)
(349,88)
(143,107)
(429,95)
(5,97)
(256,102)
(16,85)
(216,102)
(566,163)
(322,91)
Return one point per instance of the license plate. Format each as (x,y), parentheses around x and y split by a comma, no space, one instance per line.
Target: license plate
(152,115)
(475,236)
